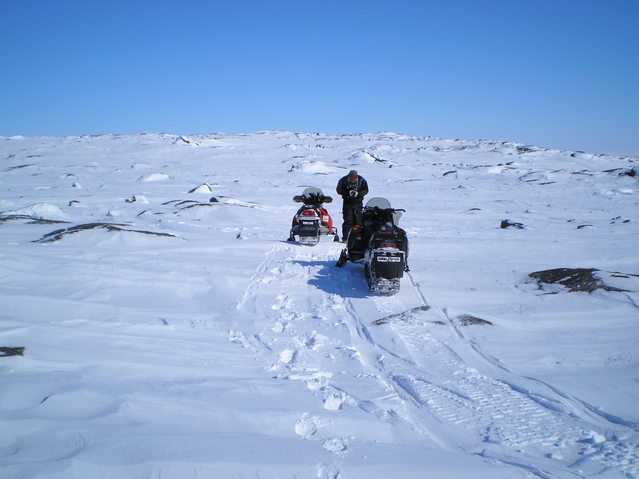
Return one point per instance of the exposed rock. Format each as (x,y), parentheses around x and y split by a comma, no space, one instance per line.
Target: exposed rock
(137,199)
(406,316)
(193,205)
(31,220)
(185,140)
(11,168)
(11,351)
(621,172)
(573,279)
(59,234)
(508,224)
(525,149)
(377,158)
(14,217)
(468,320)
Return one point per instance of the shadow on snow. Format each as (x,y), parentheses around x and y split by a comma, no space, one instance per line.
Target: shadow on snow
(347,281)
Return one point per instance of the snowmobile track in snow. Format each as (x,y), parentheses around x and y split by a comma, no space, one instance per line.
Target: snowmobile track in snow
(410,366)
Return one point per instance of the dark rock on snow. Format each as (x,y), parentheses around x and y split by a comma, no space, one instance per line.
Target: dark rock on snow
(11,351)
(508,224)
(59,234)
(406,316)
(468,320)
(573,279)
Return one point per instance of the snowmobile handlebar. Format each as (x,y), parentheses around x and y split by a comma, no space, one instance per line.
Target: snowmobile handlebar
(312,199)
(377,209)
(376,213)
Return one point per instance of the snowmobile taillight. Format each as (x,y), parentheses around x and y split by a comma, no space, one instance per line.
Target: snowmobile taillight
(308,213)
(388,244)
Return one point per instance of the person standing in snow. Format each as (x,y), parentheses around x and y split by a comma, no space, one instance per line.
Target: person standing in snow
(352,188)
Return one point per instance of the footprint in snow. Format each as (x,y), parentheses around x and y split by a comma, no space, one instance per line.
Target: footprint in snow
(282,302)
(335,445)
(327,471)
(310,340)
(288,356)
(278,327)
(318,382)
(333,402)
(306,426)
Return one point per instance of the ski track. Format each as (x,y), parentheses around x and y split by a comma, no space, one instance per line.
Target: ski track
(313,331)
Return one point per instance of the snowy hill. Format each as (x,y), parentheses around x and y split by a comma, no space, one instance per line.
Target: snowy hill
(169,330)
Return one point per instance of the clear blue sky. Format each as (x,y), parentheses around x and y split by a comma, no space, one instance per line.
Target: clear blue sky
(554,73)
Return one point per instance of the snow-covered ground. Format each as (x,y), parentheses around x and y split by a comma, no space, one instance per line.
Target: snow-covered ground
(170,331)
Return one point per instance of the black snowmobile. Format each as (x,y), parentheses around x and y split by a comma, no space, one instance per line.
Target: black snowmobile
(380,245)
(312,220)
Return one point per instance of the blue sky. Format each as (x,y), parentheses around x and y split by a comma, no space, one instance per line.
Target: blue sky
(560,74)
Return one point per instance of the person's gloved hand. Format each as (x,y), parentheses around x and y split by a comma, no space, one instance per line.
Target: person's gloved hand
(353,193)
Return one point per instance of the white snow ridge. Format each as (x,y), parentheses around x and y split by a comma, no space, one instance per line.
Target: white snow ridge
(139,338)
(39,211)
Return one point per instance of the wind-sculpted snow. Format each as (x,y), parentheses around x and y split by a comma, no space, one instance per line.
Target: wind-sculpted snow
(155,322)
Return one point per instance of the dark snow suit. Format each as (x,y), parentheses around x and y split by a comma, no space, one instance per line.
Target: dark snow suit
(352,207)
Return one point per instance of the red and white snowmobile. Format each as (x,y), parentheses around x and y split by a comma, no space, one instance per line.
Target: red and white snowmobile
(312,220)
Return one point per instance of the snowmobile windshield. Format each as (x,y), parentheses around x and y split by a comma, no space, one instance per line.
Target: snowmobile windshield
(312,196)
(381,203)
(312,191)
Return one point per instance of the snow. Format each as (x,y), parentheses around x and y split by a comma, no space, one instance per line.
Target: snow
(175,335)
(40,211)
(206,189)
(155,177)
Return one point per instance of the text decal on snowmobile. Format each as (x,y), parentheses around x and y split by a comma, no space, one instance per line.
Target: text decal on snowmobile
(389,259)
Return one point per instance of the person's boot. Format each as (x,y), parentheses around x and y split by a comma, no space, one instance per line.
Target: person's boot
(343,258)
